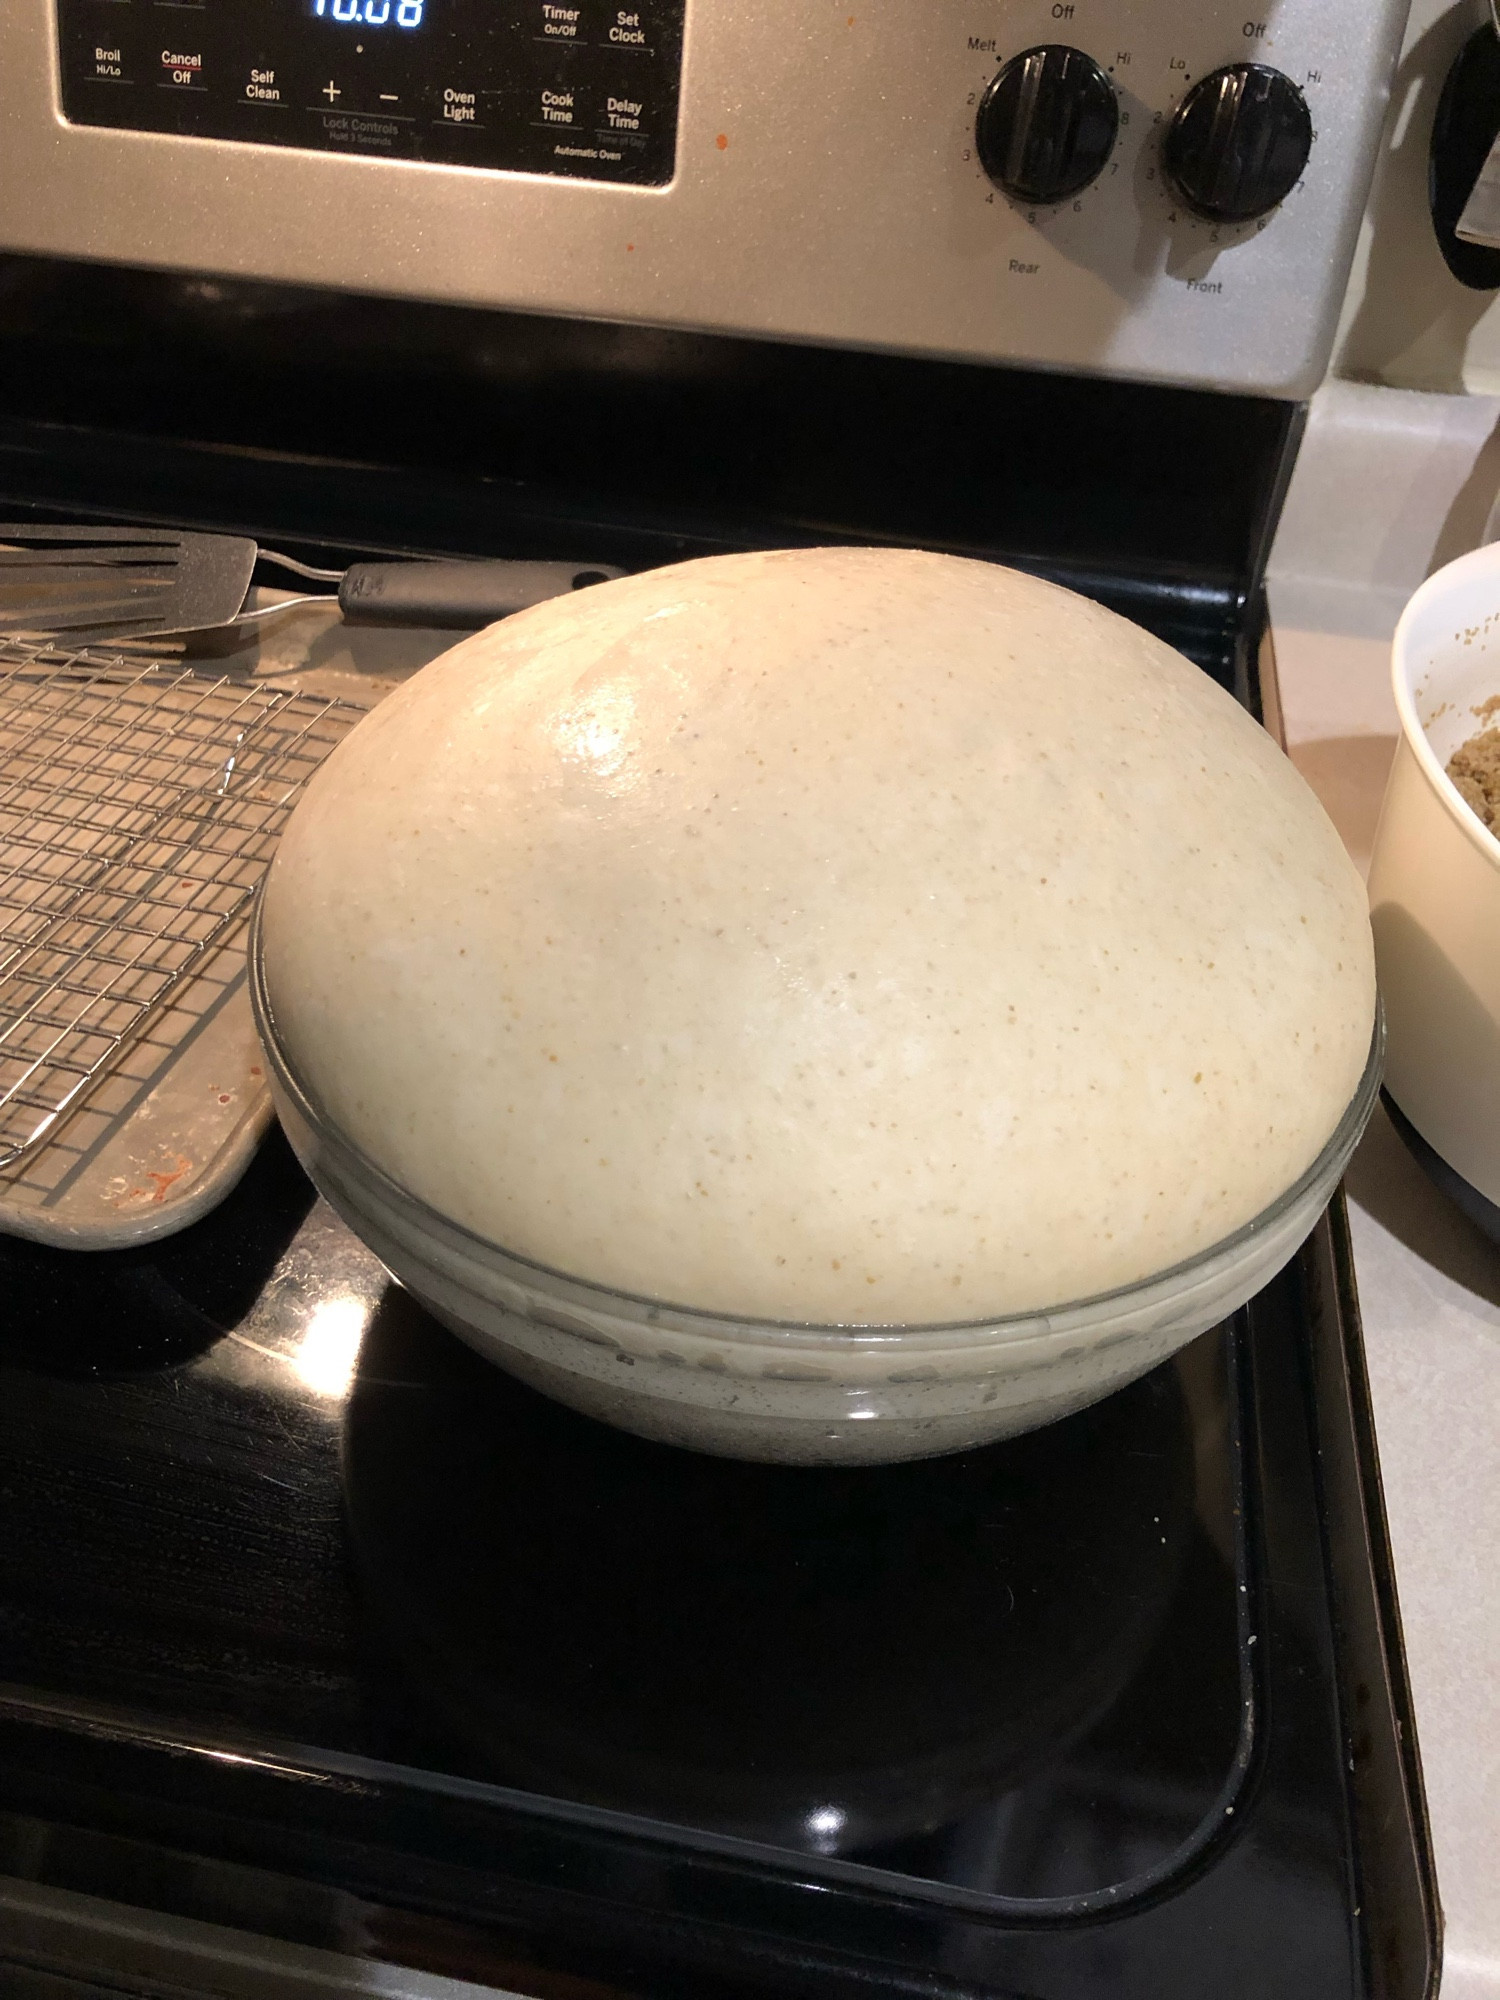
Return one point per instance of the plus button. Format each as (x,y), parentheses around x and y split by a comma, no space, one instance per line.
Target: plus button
(331,91)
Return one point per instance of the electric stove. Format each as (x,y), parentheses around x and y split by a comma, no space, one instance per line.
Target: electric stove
(316,1627)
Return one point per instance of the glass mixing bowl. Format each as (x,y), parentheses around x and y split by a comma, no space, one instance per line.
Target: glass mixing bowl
(775,1390)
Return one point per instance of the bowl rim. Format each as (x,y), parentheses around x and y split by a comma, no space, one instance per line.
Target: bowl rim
(1404,663)
(714,1323)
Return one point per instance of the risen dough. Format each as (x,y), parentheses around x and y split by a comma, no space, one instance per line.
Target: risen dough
(843,935)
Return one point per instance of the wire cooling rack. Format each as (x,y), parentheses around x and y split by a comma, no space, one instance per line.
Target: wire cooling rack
(140,806)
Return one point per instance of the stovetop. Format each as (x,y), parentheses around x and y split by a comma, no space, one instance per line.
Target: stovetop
(313,1623)
(308,1515)
(294,1584)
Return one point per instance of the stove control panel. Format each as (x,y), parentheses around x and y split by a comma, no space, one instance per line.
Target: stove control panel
(578,87)
(1168,190)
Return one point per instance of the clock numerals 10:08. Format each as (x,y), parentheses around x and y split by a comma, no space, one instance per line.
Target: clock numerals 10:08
(371,13)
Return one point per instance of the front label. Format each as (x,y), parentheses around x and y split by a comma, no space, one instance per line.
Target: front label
(534,86)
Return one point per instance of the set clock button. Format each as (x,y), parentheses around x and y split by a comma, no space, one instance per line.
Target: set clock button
(1046,125)
(1238,143)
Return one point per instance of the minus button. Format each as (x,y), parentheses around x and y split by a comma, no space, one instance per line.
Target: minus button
(389,97)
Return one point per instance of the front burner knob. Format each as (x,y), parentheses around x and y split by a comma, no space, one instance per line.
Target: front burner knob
(1047,124)
(1239,142)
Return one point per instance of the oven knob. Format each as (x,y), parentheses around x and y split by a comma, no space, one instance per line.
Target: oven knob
(1239,142)
(1047,123)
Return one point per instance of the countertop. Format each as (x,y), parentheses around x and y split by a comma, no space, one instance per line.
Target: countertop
(1429,1286)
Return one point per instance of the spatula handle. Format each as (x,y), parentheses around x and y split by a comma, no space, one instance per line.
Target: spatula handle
(457,593)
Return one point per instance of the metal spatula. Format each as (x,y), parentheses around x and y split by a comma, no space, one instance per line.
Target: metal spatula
(153,583)
(113,582)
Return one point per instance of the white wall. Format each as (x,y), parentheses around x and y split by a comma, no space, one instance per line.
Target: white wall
(1407,321)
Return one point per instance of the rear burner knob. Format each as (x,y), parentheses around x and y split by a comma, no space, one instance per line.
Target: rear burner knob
(1238,143)
(1047,124)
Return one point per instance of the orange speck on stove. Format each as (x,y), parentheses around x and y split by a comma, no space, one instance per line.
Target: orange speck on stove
(722,142)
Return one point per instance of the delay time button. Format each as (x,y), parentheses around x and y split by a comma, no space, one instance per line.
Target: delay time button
(623,115)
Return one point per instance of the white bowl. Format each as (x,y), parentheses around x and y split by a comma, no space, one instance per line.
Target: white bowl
(771,1390)
(1435,878)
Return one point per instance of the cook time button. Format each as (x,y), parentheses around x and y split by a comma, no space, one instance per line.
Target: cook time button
(556,105)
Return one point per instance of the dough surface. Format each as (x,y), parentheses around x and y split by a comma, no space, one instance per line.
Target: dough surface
(845,935)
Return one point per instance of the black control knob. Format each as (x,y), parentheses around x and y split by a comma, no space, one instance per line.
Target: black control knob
(1047,124)
(1239,142)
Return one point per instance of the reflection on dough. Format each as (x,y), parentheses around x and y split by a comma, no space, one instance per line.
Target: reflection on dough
(836,935)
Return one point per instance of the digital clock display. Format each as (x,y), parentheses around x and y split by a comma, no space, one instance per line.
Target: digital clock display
(370,13)
(583,88)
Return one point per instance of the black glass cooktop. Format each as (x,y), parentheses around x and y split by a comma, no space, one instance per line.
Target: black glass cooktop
(291,1578)
(315,1625)
(1023,1673)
